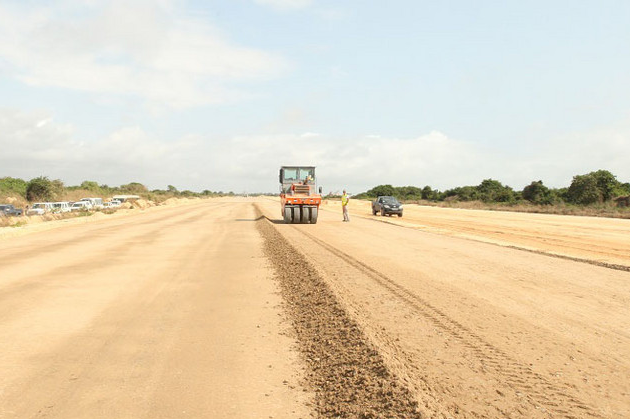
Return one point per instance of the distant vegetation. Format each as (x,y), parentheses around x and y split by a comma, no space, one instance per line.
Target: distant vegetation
(596,189)
(44,189)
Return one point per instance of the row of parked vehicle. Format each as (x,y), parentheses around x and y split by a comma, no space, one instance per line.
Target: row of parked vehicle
(41,208)
(85,204)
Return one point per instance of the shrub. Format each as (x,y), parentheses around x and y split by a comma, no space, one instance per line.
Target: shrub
(430,194)
(462,193)
(134,188)
(43,189)
(537,193)
(381,190)
(13,186)
(91,186)
(584,190)
(490,190)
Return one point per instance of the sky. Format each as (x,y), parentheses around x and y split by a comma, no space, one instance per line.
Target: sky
(218,95)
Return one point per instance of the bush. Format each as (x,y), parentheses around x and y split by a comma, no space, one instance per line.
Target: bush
(462,193)
(381,190)
(490,190)
(91,186)
(430,194)
(584,191)
(537,193)
(43,189)
(594,187)
(134,188)
(13,186)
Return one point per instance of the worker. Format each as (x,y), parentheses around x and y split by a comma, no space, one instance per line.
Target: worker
(344,206)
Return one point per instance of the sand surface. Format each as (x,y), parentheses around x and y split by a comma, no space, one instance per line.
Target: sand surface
(217,309)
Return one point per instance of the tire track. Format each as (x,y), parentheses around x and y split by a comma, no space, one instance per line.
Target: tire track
(483,238)
(538,390)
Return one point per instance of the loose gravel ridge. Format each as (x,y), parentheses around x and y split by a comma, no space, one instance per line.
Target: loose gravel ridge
(345,371)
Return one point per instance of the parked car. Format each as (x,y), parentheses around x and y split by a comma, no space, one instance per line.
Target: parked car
(109,205)
(97,203)
(60,207)
(387,205)
(40,208)
(81,206)
(10,210)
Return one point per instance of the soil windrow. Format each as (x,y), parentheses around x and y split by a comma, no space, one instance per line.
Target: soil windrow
(345,371)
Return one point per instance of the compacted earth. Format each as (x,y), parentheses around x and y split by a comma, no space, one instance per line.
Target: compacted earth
(217,309)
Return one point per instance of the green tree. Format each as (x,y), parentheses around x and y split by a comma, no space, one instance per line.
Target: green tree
(429,194)
(584,190)
(462,193)
(623,189)
(491,190)
(408,192)
(134,188)
(43,189)
(593,187)
(537,193)
(606,183)
(15,186)
(91,186)
(381,190)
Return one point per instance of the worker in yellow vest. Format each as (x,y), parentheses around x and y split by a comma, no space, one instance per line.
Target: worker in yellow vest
(344,206)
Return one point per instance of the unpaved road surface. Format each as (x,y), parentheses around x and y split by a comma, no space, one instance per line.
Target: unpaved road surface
(595,239)
(167,314)
(217,309)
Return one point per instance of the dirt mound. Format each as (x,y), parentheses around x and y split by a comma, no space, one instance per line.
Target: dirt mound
(98,215)
(348,375)
(143,203)
(170,201)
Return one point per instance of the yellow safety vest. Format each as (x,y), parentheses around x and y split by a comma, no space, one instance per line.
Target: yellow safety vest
(344,200)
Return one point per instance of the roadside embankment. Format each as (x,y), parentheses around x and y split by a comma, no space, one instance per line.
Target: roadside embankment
(17,226)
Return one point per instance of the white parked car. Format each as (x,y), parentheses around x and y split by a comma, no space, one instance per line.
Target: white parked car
(61,207)
(40,208)
(96,203)
(81,206)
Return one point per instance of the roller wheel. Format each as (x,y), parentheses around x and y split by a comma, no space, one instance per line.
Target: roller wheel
(305,215)
(287,215)
(313,215)
(297,216)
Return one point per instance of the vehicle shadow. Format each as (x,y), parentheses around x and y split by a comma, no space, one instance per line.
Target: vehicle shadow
(262,217)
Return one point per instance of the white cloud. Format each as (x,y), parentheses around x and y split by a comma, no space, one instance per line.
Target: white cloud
(286,4)
(139,48)
(250,163)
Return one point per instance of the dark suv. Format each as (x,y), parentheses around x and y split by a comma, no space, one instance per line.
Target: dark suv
(8,209)
(387,205)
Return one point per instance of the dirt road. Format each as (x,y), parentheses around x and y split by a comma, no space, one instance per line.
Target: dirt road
(166,314)
(210,310)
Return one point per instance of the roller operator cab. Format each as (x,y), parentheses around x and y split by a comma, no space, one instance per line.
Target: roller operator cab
(299,196)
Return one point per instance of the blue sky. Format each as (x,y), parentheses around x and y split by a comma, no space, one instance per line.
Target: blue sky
(218,94)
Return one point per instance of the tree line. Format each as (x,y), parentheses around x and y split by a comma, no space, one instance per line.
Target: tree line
(592,188)
(43,189)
